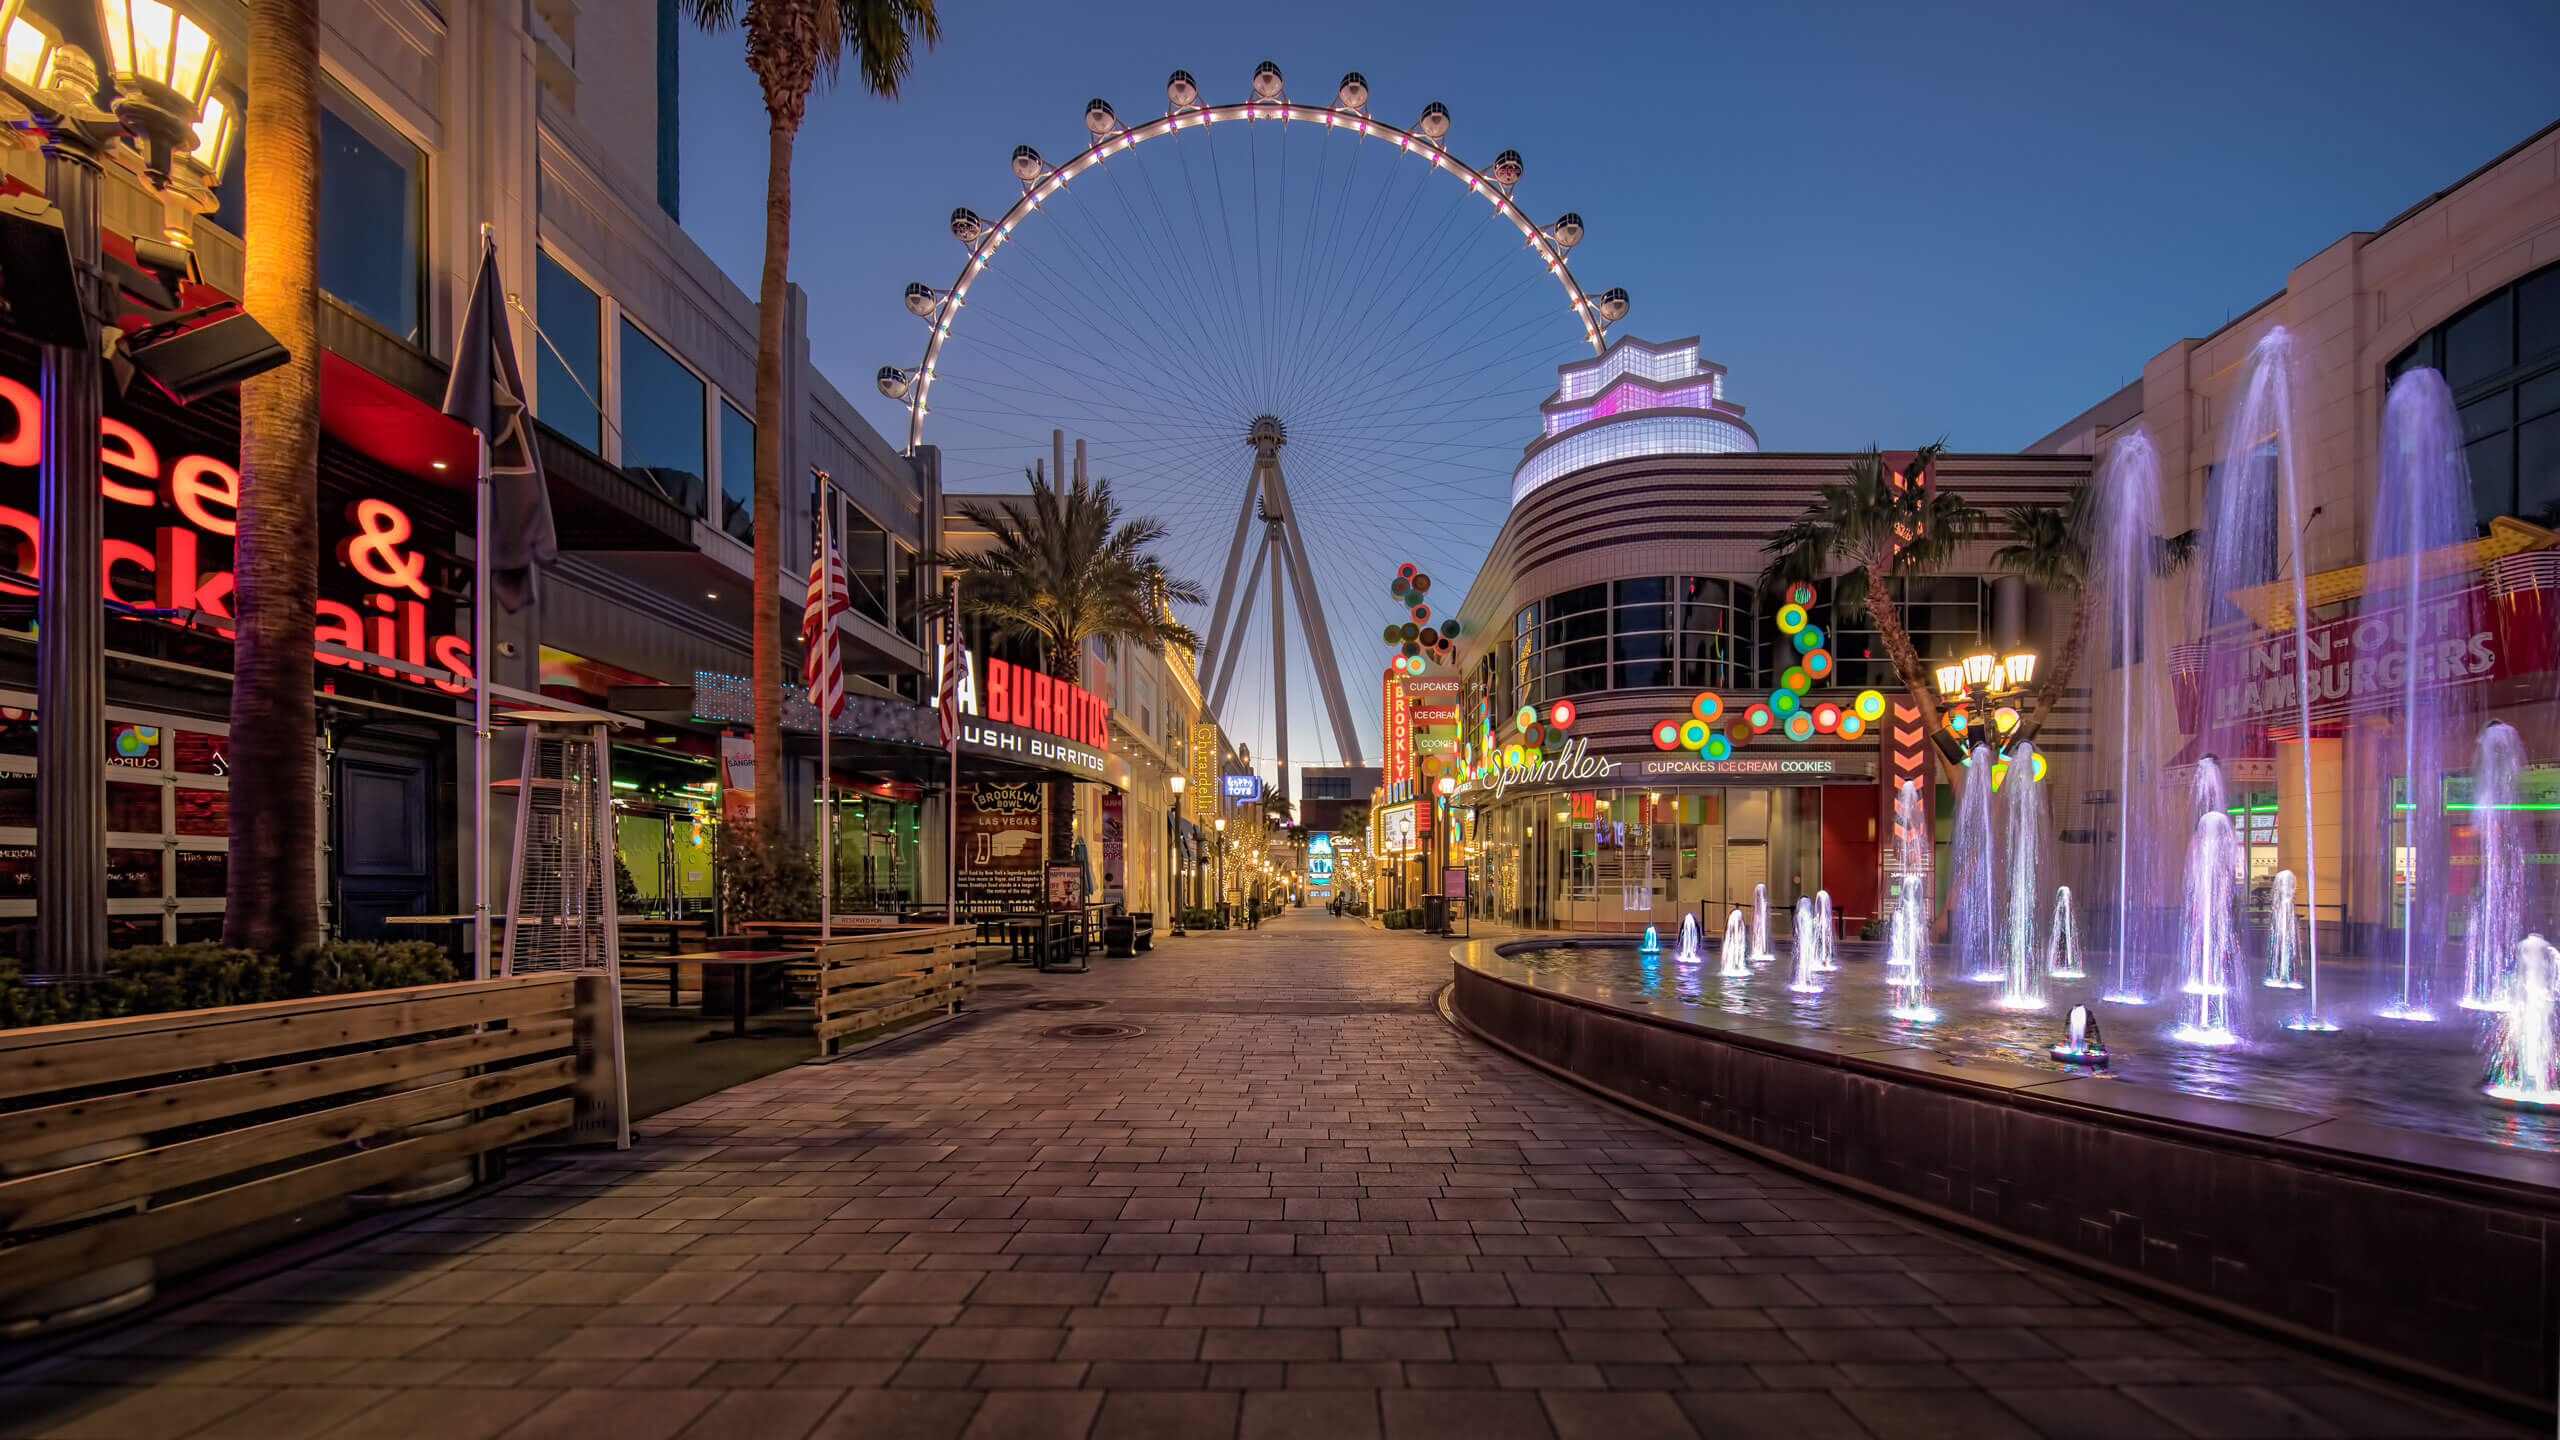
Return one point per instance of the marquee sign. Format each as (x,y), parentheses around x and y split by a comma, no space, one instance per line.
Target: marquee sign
(1243,789)
(171,515)
(1576,764)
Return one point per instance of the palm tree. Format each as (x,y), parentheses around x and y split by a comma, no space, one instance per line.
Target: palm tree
(272,900)
(1065,569)
(1874,525)
(2051,551)
(791,44)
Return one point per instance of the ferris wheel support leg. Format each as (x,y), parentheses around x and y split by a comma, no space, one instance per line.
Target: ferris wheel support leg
(1212,653)
(1311,619)
(1226,671)
(1272,543)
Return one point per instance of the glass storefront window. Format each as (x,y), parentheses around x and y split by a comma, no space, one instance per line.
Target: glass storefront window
(371,181)
(737,472)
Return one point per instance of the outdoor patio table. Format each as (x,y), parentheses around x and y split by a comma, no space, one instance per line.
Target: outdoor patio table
(742,965)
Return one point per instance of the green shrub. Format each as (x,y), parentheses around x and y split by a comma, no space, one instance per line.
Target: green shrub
(157,979)
(762,882)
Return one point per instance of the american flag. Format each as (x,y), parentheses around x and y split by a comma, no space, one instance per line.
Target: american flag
(947,699)
(823,669)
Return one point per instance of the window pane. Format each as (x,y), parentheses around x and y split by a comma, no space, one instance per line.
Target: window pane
(369,181)
(1587,597)
(133,874)
(1577,654)
(2493,477)
(568,373)
(2538,470)
(866,564)
(133,809)
(662,418)
(1525,621)
(1644,674)
(2538,315)
(737,472)
(2488,415)
(1644,617)
(906,573)
(1643,647)
(2538,396)
(1582,682)
(201,874)
(2420,352)
(2481,342)
(1590,625)
(1639,592)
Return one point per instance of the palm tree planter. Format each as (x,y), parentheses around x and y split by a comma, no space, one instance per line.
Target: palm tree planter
(790,45)
(1875,525)
(1065,569)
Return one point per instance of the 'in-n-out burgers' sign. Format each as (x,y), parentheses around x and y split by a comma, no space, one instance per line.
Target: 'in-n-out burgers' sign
(376,598)
(1031,717)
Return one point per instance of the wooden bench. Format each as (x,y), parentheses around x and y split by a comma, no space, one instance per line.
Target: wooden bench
(134,1136)
(869,982)
(1130,933)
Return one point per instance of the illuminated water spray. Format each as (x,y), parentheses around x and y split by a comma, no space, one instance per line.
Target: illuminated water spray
(1809,967)
(2524,1053)
(2062,949)
(2133,722)
(2209,949)
(1822,921)
(2284,952)
(1907,921)
(2497,920)
(1760,924)
(1736,952)
(1976,908)
(1688,940)
(2023,867)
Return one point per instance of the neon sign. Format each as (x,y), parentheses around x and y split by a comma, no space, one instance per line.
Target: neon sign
(1244,789)
(389,618)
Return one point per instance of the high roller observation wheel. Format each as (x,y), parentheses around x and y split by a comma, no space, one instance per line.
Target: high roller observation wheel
(1349,114)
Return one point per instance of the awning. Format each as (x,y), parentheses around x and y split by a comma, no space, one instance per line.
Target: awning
(2271,606)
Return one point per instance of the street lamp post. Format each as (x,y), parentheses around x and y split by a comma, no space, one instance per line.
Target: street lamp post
(1222,867)
(162,68)
(1172,860)
(1981,679)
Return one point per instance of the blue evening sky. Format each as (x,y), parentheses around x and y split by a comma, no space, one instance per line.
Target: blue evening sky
(1892,221)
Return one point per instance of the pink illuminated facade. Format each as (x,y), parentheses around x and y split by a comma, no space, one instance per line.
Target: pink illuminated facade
(1638,398)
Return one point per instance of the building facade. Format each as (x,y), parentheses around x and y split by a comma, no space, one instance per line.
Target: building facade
(1625,591)
(2465,282)
(553,124)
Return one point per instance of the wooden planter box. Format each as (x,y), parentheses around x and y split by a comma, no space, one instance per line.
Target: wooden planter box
(307,1101)
(875,980)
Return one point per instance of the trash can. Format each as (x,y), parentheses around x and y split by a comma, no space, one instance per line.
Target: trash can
(1435,914)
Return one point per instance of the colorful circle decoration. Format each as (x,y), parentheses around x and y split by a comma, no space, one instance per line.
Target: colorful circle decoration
(1809,638)
(1718,747)
(1412,647)
(1421,613)
(1760,716)
(1562,715)
(1413,665)
(1817,663)
(1797,679)
(1430,638)
(1851,727)
(1957,721)
(1512,755)
(1533,735)
(1707,706)
(1799,727)
(1800,593)
(2039,765)
(1826,717)
(1394,633)
(1409,631)
(1666,734)
(1449,628)
(1693,734)
(1405,571)
(1527,717)
(1783,703)
(1791,618)
(1870,704)
(2005,719)
(1419,581)
(1740,733)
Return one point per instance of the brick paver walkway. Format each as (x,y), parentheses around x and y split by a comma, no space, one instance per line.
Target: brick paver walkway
(1297,1204)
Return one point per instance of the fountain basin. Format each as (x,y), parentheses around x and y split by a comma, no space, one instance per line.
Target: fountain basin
(2434,1256)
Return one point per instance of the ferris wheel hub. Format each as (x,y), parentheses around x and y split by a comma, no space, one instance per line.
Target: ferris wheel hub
(1267,432)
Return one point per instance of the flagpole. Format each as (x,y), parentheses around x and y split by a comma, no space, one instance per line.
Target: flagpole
(951,790)
(485,519)
(826,642)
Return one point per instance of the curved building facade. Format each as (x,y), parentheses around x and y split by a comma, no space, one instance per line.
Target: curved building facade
(1637,399)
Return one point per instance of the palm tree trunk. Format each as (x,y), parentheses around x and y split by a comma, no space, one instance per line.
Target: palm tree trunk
(773,306)
(1066,662)
(1906,660)
(272,898)
(2065,668)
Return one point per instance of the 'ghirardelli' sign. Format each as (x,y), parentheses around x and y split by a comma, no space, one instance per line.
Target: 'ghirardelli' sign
(1574,762)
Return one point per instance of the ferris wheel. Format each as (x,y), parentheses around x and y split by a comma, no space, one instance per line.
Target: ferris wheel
(1299,335)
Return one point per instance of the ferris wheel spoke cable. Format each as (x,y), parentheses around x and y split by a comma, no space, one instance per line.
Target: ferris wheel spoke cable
(1015,327)
(1160,327)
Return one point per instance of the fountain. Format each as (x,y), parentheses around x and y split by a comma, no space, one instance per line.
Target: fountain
(2133,721)
(2082,1046)
(2062,952)
(2497,919)
(2253,539)
(1736,952)
(1688,939)
(1652,941)
(1976,908)
(1809,964)
(1760,924)
(2209,953)
(2422,515)
(2022,856)
(2284,955)
(1907,950)
(1823,922)
(2524,1060)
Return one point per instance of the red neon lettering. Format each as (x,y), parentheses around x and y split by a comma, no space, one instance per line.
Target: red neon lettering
(125,552)
(999,696)
(21,541)
(1042,688)
(339,625)
(454,655)
(198,481)
(374,550)
(137,456)
(25,445)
